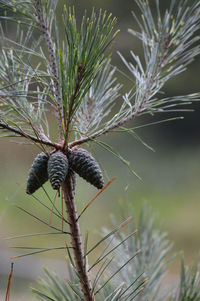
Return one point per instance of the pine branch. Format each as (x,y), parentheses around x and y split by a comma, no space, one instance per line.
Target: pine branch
(78,83)
(104,130)
(169,47)
(21,133)
(53,63)
(76,240)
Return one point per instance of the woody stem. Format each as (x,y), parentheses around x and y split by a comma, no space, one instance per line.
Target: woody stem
(76,239)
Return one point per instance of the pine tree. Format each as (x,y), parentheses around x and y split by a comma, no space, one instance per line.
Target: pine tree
(71,78)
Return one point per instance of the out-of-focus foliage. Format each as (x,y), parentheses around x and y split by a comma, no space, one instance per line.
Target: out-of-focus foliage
(124,261)
(188,289)
(151,265)
(153,260)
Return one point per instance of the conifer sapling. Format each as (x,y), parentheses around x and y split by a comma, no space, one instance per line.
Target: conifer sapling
(72,78)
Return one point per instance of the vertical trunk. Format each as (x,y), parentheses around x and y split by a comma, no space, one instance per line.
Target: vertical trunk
(68,189)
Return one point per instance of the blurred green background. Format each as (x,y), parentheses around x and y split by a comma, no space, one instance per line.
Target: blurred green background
(170,176)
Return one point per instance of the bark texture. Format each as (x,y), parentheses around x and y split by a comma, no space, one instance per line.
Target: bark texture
(76,240)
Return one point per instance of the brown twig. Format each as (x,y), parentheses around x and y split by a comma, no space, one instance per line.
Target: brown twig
(77,240)
(21,133)
(9,283)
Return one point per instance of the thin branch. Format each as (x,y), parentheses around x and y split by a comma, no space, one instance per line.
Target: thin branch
(105,130)
(76,242)
(6,126)
(53,63)
(9,283)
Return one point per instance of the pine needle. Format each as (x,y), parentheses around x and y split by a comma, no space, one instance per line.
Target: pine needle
(108,184)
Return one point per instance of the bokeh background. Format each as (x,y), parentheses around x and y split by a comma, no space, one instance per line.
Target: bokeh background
(170,175)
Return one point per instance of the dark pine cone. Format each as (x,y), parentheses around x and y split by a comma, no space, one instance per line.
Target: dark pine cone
(38,173)
(57,169)
(86,167)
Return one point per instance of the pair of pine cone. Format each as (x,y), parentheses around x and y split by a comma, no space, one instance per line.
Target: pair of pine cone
(57,166)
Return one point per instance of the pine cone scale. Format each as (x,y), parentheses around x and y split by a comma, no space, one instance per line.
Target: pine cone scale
(86,167)
(38,173)
(57,169)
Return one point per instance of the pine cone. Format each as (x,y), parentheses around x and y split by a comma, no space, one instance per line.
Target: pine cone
(57,169)
(38,173)
(86,167)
